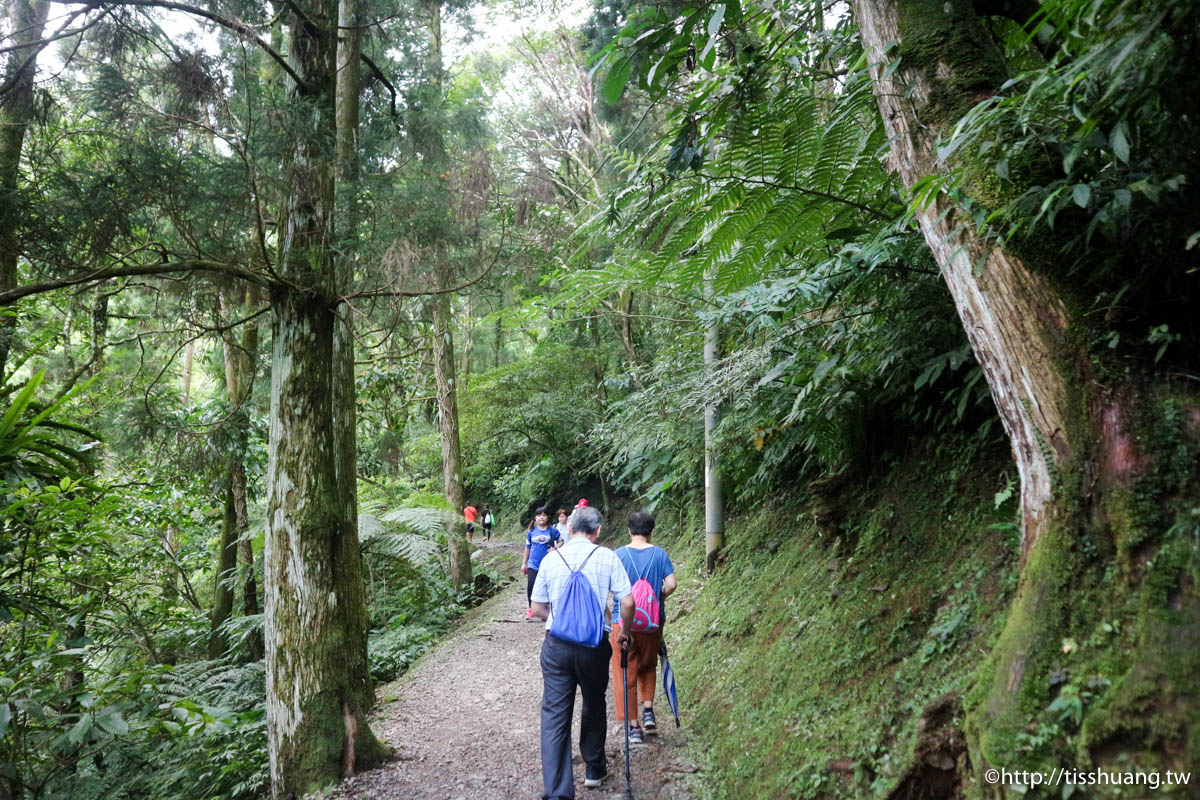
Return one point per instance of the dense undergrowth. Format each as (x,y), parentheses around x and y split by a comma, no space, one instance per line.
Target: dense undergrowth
(839,660)
(805,661)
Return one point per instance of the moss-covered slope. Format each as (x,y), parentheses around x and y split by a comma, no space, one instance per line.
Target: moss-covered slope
(835,660)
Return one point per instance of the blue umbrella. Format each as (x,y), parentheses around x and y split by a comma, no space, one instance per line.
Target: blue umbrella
(669,682)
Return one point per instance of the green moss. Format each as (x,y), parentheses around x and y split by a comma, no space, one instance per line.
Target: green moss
(1014,683)
(804,665)
(1026,167)
(945,40)
(793,659)
(1107,616)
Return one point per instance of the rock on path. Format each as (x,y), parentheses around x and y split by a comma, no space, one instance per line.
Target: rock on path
(464,722)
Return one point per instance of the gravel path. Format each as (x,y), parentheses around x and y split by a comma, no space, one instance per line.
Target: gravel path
(464,722)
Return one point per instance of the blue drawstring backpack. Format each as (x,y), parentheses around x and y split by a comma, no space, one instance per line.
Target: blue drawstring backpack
(578,617)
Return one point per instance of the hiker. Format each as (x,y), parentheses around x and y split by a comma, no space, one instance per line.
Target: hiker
(577,649)
(470,513)
(653,578)
(487,523)
(538,541)
(562,523)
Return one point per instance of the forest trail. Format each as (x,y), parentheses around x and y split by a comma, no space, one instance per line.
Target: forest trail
(464,721)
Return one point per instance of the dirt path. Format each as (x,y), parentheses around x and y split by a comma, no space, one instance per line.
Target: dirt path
(464,722)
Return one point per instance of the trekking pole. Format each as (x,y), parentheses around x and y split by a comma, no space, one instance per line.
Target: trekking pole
(625,697)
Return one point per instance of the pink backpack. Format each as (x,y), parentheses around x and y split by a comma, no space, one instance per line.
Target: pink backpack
(647,615)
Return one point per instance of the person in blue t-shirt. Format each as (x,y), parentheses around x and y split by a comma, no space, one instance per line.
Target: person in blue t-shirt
(641,560)
(538,541)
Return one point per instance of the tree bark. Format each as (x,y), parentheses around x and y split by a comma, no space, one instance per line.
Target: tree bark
(1015,319)
(27,20)
(240,364)
(345,419)
(318,685)
(714,496)
(447,400)
(432,144)
(1074,430)
(222,610)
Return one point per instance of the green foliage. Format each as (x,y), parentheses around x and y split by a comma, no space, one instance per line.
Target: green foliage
(777,654)
(522,424)
(85,707)
(836,329)
(393,650)
(948,626)
(406,533)
(33,448)
(1085,155)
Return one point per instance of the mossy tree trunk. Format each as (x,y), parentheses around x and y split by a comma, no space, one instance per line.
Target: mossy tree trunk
(349,85)
(318,685)
(1075,430)
(26,21)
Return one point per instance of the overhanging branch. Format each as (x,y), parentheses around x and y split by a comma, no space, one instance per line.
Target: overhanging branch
(237,26)
(29,289)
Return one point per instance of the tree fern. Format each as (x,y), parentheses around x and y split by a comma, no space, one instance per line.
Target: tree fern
(407,533)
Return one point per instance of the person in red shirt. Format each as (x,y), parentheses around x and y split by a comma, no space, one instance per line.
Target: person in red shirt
(469,513)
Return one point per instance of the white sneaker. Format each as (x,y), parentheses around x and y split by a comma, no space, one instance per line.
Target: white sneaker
(592,783)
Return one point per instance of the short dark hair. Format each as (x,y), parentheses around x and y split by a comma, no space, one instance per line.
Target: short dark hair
(561,511)
(541,510)
(641,524)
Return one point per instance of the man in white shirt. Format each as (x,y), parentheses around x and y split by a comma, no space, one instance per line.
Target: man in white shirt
(566,665)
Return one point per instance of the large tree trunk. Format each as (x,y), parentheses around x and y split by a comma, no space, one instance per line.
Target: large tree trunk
(432,145)
(318,685)
(26,21)
(1075,430)
(1015,320)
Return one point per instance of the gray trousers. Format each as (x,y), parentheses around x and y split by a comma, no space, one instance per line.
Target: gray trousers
(565,666)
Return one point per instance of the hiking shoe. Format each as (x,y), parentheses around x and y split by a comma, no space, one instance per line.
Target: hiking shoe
(648,720)
(592,783)
(635,736)
(529,614)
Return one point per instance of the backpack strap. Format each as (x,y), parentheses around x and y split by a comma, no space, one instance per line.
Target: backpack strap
(589,555)
(641,573)
(564,558)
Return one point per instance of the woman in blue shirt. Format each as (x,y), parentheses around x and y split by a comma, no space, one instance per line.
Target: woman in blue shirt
(538,541)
